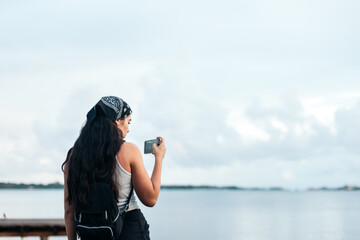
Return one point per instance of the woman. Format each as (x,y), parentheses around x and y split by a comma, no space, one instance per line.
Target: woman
(100,152)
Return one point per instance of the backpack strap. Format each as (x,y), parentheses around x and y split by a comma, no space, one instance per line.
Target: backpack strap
(128,199)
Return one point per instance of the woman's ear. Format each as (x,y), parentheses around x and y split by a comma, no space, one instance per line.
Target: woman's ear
(117,123)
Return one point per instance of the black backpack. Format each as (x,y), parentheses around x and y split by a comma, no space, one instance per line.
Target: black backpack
(101,218)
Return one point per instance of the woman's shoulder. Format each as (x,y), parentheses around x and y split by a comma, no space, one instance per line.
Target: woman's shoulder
(129,149)
(130,146)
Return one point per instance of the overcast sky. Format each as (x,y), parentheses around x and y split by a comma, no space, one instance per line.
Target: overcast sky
(246,93)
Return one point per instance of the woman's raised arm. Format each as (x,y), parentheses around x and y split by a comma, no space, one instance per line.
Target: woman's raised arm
(147,189)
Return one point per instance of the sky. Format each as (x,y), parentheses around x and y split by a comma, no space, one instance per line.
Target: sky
(245,93)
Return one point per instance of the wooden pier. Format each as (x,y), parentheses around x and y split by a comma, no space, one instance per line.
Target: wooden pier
(44,228)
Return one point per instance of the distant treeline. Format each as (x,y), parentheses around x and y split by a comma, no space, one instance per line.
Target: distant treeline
(208,187)
(170,187)
(29,186)
(346,188)
(178,187)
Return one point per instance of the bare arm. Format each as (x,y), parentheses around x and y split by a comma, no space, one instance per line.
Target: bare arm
(147,189)
(69,210)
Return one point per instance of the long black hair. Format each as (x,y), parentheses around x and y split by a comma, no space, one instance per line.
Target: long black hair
(93,158)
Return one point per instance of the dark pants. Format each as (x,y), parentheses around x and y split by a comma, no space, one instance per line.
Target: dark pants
(135,226)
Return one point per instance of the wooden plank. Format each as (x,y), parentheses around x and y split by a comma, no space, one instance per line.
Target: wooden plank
(32,222)
(32,227)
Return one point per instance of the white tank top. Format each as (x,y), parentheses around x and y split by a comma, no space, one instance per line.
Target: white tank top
(124,180)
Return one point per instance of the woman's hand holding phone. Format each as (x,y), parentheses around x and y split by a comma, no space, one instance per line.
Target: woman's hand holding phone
(159,151)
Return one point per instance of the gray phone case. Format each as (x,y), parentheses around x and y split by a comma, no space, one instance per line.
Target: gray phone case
(148,145)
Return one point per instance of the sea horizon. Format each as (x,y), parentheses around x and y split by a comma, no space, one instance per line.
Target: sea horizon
(58,185)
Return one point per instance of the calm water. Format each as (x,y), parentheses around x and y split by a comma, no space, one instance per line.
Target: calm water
(221,214)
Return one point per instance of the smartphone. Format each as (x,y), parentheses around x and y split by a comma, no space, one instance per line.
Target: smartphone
(148,145)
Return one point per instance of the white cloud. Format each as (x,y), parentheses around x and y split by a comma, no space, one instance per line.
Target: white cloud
(304,129)
(6,146)
(45,162)
(321,110)
(279,125)
(249,131)
(287,175)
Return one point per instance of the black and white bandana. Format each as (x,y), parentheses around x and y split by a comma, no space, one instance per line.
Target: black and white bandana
(114,108)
